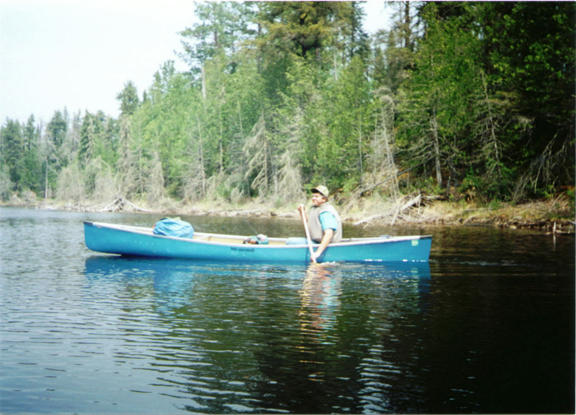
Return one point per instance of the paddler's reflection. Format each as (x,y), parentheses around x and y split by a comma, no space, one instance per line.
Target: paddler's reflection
(320,299)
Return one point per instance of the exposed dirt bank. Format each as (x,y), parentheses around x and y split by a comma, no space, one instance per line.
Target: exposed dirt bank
(551,216)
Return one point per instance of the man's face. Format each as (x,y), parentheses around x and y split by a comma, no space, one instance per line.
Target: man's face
(317,199)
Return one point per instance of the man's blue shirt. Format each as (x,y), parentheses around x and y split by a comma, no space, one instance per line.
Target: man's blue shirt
(328,221)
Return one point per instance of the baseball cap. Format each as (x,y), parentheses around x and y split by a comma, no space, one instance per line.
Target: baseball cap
(323,190)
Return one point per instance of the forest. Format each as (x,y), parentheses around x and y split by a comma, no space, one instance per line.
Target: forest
(470,101)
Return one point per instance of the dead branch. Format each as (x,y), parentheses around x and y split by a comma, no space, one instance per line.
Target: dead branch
(121,204)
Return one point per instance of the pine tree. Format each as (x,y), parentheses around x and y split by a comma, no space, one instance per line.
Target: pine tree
(32,175)
(129,100)
(12,152)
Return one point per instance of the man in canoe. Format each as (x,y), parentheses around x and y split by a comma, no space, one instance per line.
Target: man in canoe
(324,222)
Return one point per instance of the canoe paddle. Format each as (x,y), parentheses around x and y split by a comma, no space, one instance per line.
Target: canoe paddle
(308,239)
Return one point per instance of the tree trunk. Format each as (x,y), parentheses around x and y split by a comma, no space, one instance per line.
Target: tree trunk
(407,27)
(203,82)
(391,164)
(360,162)
(434,125)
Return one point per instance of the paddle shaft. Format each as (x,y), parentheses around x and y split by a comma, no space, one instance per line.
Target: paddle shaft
(308,239)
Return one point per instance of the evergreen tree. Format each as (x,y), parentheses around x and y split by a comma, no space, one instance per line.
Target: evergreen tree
(437,101)
(54,159)
(12,152)
(342,150)
(305,28)
(88,132)
(394,49)
(129,100)
(32,173)
(222,26)
(5,183)
(56,128)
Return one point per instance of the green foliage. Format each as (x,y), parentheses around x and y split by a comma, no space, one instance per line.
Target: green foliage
(5,183)
(530,56)
(437,100)
(302,28)
(342,151)
(12,148)
(471,99)
(57,128)
(221,28)
(129,100)
(468,99)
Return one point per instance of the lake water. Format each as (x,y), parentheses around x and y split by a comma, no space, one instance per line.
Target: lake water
(486,326)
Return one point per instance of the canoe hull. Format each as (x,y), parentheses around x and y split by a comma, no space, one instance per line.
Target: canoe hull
(131,241)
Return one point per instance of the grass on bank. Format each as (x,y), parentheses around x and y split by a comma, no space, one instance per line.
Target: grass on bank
(555,214)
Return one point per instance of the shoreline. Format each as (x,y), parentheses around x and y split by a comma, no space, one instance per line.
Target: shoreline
(553,216)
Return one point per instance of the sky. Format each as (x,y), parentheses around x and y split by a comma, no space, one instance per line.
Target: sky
(78,54)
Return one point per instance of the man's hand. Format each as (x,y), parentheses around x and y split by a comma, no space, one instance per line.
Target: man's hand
(301,210)
(314,258)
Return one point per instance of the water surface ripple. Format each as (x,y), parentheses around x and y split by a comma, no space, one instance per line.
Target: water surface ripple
(487,326)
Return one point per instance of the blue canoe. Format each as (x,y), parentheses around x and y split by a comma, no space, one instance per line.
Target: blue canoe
(141,241)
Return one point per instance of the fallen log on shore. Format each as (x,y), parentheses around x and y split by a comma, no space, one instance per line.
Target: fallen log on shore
(121,204)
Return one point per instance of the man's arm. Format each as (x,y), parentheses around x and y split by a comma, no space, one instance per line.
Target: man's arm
(326,238)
